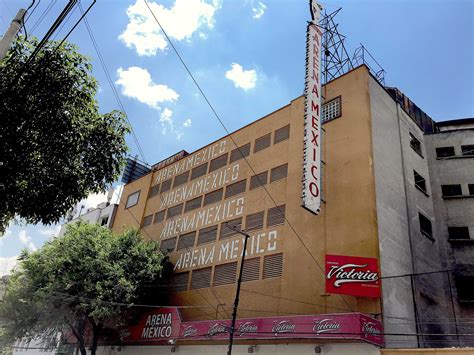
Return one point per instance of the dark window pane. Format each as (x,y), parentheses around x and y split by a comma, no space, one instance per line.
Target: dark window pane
(425,226)
(420,182)
(276,215)
(272,265)
(201,278)
(258,180)
(213,197)
(465,287)
(179,282)
(159,217)
(154,190)
(147,220)
(199,171)
(193,204)
(262,142)
(471,189)
(281,134)
(239,153)
(458,233)
(168,245)
(207,235)
(451,190)
(227,232)
(225,274)
(174,211)
(415,144)
(181,179)
(132,199)
(251,271)
(280,172)
(165,186)
(467,149)
(254,221)
(186,240)
(444,152)
(217,163)
(235,188)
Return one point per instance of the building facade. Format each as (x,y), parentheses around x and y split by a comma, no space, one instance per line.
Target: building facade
(375,210)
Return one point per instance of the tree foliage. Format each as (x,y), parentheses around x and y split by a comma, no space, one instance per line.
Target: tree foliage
(80,282)
(57,147)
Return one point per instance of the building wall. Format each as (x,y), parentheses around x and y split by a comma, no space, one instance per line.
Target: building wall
(95,215)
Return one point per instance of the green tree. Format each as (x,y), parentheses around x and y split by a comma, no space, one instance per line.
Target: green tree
(56,146)
(79,283)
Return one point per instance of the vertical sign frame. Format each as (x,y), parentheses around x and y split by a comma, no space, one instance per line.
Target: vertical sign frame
(311,194)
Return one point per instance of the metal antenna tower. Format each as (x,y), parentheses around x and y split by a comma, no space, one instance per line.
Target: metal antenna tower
(363,56)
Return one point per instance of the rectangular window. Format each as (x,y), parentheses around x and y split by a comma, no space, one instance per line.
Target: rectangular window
(147,220)
(425,226)
(451,190)
(467,149)
(280,172)
(154,190)
(193,204)
(165,186)
(281,134)
(159,217)
(276,216)
(168,245)
(201,278)
(235,188)
(458,233)
(207,235)
(239,153)
(199,171)
(272,266)
(465,287)
(444,152)
(218,163)
(258,180)
(254,221)
(181,179)
(186,240)
(225,274)
(104,221)
(471,189)
(227,232)
(415,144)
(420,182)
(262,142)
(213,197)
(179,282)
(331,110)
(251,270)
(174,211)
(132,199)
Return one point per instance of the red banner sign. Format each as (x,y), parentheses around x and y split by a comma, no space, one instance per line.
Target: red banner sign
(351,275)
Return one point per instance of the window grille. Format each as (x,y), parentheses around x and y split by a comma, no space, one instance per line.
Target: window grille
(239,153)
(262,142)
(201,278)
(272,266)
(276,216)
(165,186)
(280,172)
(179,282)
(168,245)
(254,221)
(225,274)
(132,199)
(258,180)
(207,235)
(154,190)
(251,271)
(181,179)
(218,162)
(193,204)
(147,220)
(174,211)
(227,232)
(159,217)
(331,110)
(235,188)
(213,197)
(186,240)
(281,134)
(199,171)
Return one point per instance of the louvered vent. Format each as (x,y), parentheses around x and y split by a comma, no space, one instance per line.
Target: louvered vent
(227,232)
(262,142)
(199,171)
(225,274)
(258,180)
(159,217)
(165,185)
(174,211)
(280,172)
(254,221)
(186,240)
(181,179)
(179,282)
(193,204)
(217,163)
(147,220)
(154,190)
(207,235)
(272,265)
(281,134)
(251,271)
(213,197)
(201,278)
(239,153)
(235,189)
(276,215)
(168,245)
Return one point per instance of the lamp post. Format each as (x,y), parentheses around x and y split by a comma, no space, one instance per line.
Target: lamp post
(239,281)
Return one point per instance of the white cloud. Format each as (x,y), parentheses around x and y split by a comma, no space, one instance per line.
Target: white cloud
(259,10)
(7,265)
(26,240)
(180,22)
(244,79)
(168,125)
(187,123)
(136,83)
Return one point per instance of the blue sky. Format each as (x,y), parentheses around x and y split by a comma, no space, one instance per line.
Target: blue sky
(248,57)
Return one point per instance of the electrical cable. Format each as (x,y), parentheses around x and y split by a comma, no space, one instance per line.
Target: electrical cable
(43,15)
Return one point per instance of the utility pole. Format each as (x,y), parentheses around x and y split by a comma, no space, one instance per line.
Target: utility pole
(239,281)
(11,33)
